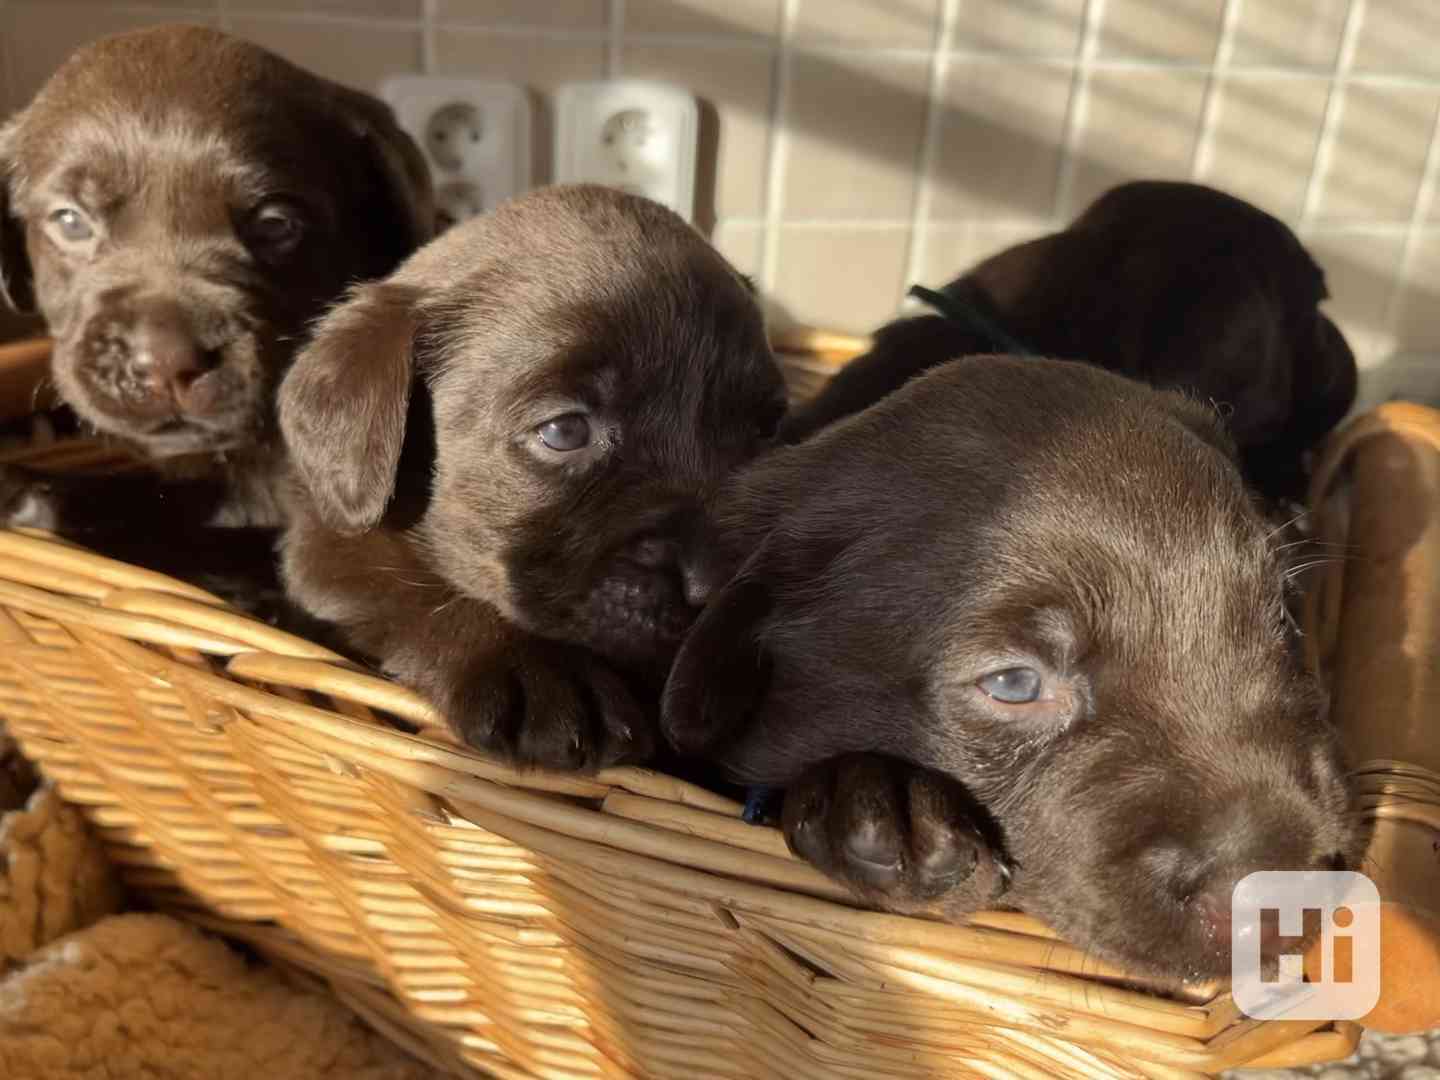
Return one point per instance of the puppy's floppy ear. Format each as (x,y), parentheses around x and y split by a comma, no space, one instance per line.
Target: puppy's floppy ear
(404,199)
(1011,278)
(16,279)
(722,672)
(343,404)
(1326,380)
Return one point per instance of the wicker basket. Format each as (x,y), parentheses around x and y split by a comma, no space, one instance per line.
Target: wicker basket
(526,925)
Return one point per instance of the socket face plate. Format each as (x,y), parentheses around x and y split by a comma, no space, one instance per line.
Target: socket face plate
(632,134)
(475,136)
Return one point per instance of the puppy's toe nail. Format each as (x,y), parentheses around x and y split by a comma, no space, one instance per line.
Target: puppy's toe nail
(1005,868)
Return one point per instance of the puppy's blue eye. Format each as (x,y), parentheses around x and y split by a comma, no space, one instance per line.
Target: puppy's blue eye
(1012,686)
(72,224)
(565,433)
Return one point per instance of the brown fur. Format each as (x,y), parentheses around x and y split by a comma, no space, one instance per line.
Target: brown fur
(179,146)
(1175,284)
(999,513)
(530,594)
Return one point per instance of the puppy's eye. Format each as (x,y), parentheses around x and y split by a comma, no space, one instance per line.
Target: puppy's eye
(72,225)
(565,433)
(275,228)
(1012,686)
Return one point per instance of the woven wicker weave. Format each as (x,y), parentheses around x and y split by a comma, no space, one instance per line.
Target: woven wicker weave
(528,925)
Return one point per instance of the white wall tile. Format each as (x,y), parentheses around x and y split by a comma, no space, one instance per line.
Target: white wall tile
(825,117)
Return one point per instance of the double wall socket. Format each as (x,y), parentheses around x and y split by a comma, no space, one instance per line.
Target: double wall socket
(630,134)
(475,137)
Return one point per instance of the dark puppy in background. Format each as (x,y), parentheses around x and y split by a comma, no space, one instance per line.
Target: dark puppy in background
(1175,284)
(506,454)
(1020,621)
(179,205)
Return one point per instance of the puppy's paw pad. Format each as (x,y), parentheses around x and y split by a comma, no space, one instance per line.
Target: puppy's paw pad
(943,857)
(900,836)
(945,847)
(623,731)
(804,814)
(539,704)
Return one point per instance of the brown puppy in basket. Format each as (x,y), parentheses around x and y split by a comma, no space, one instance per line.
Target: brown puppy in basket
(180,204)
(506,455)
(1016,634)
(1175,284)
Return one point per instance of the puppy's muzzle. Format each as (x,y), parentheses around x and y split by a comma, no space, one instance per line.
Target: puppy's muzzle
(1247,832)
(666,555)
(643,604)
(148,363)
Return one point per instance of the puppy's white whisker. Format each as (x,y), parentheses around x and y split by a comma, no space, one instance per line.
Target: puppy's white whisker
(1296,571)
(1284,525)
(1331,544)
(45,384)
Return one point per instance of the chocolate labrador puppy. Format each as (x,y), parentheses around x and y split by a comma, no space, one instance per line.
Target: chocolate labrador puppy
(506,454)
(180,204)
(1016,634)
(1172,283)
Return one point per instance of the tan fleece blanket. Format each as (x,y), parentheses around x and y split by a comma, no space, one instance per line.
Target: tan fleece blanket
(54,878)
(87,994)
(146,996)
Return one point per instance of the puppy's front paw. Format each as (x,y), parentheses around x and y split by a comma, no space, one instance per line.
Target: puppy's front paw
(27,499)
(903,838)
(541,704)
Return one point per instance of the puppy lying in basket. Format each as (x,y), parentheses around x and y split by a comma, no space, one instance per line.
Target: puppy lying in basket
(180,205)
(1016,634)
(1175,284)
(506,454)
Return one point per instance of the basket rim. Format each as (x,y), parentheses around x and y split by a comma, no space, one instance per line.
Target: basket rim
(640,826)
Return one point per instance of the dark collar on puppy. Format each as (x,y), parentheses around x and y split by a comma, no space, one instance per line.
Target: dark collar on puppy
(969,315)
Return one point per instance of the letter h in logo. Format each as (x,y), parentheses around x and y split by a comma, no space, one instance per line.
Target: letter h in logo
(1276,916)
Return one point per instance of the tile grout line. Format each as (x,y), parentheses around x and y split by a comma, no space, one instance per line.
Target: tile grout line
(1414,231)
(1334,113)
(1077,113)
(615,40)
(429,11)
(779,149)
(1338,228)
(1213,106)
(756,43)
(929,151)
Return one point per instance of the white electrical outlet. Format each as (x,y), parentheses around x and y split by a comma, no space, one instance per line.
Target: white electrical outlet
(475,137)
(634,135)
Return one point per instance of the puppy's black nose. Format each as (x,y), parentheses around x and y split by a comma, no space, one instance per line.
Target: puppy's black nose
(698,581)
(666,553)
(169,362)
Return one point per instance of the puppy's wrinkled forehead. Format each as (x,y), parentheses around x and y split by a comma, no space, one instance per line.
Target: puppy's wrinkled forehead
(128,114)
(108,162)
(607,324)
(1130,533)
